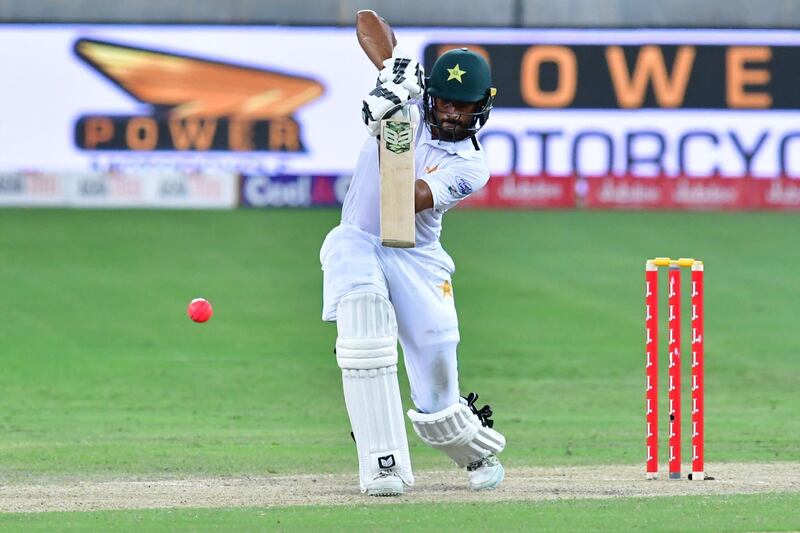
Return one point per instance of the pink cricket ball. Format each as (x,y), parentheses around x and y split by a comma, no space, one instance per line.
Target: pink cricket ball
(199,310)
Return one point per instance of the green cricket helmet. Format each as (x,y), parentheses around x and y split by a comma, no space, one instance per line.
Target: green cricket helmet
(459,75)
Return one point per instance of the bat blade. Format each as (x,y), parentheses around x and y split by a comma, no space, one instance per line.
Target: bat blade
(397,183)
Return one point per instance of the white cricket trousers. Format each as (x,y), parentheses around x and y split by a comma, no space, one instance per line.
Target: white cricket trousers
(418,283)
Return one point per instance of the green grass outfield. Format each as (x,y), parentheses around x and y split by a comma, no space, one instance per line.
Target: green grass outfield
(104,375)
(732,513)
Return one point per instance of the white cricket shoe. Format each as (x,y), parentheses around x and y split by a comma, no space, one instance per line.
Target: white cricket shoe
(385,483)
(486,474)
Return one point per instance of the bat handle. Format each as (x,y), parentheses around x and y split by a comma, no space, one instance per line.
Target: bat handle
(405,110)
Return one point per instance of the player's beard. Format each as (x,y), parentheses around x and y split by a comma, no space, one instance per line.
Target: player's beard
(451,131)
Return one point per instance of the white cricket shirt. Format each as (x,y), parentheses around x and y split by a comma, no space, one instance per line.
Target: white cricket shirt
(453,171)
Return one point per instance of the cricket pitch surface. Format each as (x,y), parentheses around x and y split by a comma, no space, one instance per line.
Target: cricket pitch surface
(521,484)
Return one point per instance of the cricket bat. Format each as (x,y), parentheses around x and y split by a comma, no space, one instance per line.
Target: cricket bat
(396,144)
(396,156)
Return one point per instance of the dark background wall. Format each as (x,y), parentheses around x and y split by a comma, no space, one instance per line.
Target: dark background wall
(498,13)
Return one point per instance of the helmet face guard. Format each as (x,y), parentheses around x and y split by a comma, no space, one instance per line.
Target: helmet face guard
(476,122)
(459,75)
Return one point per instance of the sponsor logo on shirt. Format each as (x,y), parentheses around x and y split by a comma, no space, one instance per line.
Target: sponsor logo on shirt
(463,188)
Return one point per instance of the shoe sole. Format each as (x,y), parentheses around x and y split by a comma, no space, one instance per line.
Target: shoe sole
(386,489)
(384,492)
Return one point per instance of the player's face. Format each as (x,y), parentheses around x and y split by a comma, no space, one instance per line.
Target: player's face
(454,118)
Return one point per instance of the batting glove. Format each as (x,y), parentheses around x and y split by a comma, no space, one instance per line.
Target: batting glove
(405,72)
(383,101)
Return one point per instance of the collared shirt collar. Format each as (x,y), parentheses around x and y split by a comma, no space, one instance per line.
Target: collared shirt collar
(463,148)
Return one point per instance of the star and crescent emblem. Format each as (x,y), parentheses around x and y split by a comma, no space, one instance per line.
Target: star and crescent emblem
(456,73)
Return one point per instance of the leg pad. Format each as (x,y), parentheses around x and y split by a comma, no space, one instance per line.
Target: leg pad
(458,432)
(366,351)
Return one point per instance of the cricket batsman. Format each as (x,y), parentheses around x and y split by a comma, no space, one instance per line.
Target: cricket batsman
(378,295)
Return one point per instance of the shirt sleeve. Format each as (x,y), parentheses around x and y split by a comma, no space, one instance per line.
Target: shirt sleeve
(455,182)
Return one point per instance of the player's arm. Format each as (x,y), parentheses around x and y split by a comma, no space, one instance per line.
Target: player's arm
(399,78)
(443,189)
(423,197)
(375,37)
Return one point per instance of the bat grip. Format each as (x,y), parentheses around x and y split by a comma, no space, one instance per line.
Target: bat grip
(402,108)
